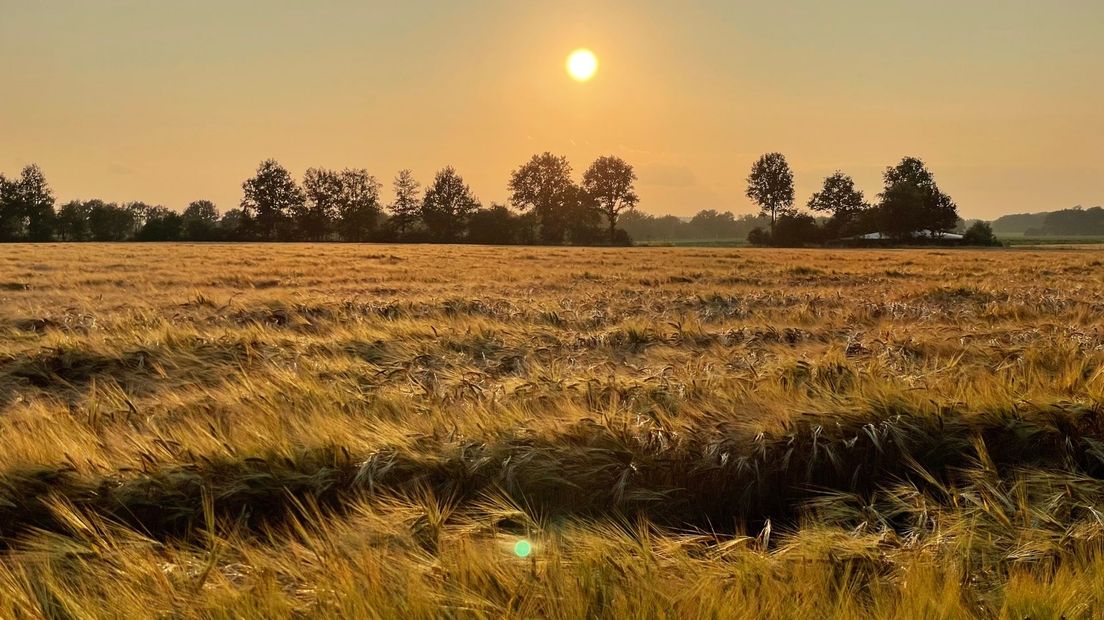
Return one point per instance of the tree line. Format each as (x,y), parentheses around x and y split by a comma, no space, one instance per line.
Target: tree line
(547,206)
(705,225)
(1073,222)
(911,206)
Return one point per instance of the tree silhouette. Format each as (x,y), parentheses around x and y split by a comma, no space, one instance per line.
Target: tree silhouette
(407,205)
(358,206)
(795,230)
(200,221)
(840,199)
(72,221)
(26,207)
(234,225)
(582,219)
(544,185)
(161,224)
(314,217)
(609,182)
(140,213)
(11,220)
(446,206)
(912,201)
(980,233)
(109,221)
(770,185)
(495,225)
(901,212)
(270,198)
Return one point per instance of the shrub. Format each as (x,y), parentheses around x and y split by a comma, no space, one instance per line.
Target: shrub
(795,230)
(758,236)
(981,233)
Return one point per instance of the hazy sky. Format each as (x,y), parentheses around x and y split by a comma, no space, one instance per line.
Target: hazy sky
(168,102)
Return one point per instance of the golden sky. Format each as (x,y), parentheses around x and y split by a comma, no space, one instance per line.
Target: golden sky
(169,102)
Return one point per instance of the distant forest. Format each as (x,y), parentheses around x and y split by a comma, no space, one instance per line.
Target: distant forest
(1065,223)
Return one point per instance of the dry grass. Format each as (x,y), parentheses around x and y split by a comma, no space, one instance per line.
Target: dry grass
(265,431)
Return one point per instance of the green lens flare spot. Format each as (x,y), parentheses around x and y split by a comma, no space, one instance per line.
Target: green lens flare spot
(523,548)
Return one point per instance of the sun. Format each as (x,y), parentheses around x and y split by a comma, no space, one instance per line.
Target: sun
(582,64)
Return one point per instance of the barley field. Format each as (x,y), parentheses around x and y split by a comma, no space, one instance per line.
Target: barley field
(365,431)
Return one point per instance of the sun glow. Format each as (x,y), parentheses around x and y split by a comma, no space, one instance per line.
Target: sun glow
(582,64)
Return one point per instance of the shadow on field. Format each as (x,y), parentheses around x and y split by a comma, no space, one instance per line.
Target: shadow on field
(714,478)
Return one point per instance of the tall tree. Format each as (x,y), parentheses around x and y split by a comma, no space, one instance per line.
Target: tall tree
(912,197)
(901,212)
(270,197)
(407,204)
(11,220)
(200,221)
(315,216)
(770,185)
(543,184)
(26,207)
(358,206)
(840,199)
(446,206)
(582,218)
(609,182)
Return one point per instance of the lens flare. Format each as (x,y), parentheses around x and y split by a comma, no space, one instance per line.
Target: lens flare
(523,548)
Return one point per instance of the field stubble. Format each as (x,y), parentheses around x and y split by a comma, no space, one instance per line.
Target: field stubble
(365,431)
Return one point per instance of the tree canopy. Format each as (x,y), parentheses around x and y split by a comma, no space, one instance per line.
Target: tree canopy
(771,185)
(609,182)
(270,198)
(447,204)
(544,185)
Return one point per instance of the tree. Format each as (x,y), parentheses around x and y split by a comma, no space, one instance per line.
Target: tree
(447,204)
(495,225)
(140,213)
(609,181)
(72,221)
(270,198)
(758,236)
(980,233)
(11,221)
(840,199)
(901,212)
(200,221)
(160,224)
(234,225)
(26,207)
(109,221)
(582,220)
(795,230)
(709,224)
(770,185)
(912,201)
(358,205)
(544,185)
(315,216)
(838,196)
(405,208)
